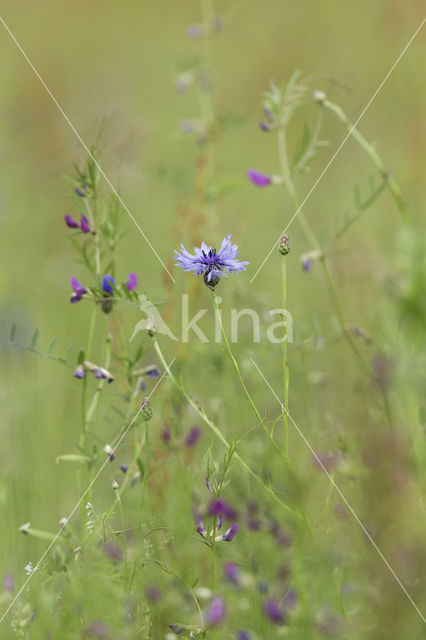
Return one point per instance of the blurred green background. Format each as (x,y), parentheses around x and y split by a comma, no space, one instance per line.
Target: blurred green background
(120,61)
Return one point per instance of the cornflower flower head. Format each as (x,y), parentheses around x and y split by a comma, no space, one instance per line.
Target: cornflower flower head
(209,263)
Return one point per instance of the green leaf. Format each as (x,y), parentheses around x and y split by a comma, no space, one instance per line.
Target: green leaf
(12,332)
(69,350)
(52,345)
(35,338)
(73,457)
(80,357)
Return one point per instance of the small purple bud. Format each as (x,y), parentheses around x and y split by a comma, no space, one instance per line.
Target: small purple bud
(146,410)
(201,528)
(79,372)
(143,385)
(84,224)
(264,126)
(80,193)
(208,485)
(107,283)
(284,245)
(219,523)
(232,572)
(230,534)
(153,372)
(273,611)
(243,635)
(216,613)
(132,281)
(70,222)
(268,113)
(193,437)
(258,179)
(124,468)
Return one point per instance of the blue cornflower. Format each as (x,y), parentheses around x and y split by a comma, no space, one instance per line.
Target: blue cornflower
(209,263)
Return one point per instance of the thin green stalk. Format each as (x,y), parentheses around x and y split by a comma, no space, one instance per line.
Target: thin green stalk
(145,474)
(371,151)
(123,524)
(286,372)
(282,153)
(219,434)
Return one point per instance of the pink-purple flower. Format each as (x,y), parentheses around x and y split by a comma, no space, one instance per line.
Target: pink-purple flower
(79,290)
(258,179)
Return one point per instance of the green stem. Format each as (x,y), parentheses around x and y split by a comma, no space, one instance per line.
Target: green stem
(282,152)
(286,372)
(123,524)
(371,151)
(145,474)
(215,429)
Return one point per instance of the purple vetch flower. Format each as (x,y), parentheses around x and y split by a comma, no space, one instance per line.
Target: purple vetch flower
(230,534)
(110,452)
(80,193)
(290,599)
(232,572)
(84,224)
(273,611)
(209,263)
(112,551)
(208,485)
(219,523)
(242,634)
(79,290)
(218,507)
(216,612)
(107,284)
(307,264)
(124,468)
(132,281)
(265,126)
(70,222)
(166,435)
(258,179)
(79,372)
(193,436)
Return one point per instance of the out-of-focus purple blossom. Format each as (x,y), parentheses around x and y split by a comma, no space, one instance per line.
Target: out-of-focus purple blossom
(132,281)
(84,224)
(268,113)
(195,31)
(230,534)
(258,179)
(218,23)
(107,284)
(79,290)
(112,551)
(193,436)
(110,452)
(242,634)
(8,583)
(216,612)
(232,572)
(218,507)
(273,611)
(79,372)
(329,624)
(153,593)
(166,435)
(307,263)
(263,587)
(290,599)
(124,468)
(208,485)
(265,126)
(143,386)
(70,222)
(80,193)
(97,630)
(382,372)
